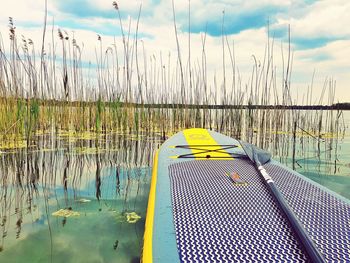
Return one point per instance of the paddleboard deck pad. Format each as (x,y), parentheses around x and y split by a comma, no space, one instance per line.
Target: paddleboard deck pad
(198,213)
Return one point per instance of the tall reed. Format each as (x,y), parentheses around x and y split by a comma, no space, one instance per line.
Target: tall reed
(139,93)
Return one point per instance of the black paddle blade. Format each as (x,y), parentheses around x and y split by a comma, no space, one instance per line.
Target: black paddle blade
(257,155)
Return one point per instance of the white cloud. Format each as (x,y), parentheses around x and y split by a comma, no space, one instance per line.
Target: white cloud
(323,19)
(24,11)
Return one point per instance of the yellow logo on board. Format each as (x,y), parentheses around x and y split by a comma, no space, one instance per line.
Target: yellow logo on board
(198,136)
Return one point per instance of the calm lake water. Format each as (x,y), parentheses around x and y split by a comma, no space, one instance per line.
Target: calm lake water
(80,200)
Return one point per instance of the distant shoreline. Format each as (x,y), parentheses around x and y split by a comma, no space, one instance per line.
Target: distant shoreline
(336,106)
(246,107)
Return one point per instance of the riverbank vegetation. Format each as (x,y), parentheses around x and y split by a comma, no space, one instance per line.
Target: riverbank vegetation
(51,92)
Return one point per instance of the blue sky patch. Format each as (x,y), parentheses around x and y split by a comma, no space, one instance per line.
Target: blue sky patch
(84,9)
(310,43)
(300,43)
(234,23)
(108,29)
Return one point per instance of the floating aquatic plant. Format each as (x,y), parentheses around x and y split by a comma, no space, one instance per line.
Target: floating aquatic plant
(65,213)
(132,217)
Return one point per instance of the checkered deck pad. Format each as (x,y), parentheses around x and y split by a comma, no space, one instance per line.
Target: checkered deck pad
(216,221)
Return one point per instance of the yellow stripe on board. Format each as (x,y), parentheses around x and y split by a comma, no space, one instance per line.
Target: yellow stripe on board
(147,255)
(204,142)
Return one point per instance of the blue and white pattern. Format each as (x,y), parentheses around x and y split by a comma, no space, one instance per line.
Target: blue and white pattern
(325,217)
(216,221)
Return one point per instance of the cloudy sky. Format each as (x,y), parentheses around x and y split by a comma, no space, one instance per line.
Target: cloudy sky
(320,32)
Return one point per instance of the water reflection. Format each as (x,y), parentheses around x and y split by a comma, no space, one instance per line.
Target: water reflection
(71,203)
(97,185)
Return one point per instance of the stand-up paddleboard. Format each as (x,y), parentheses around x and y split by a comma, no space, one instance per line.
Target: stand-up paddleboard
(209,203)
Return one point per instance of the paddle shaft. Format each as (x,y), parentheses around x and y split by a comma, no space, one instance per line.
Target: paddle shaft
(313,254)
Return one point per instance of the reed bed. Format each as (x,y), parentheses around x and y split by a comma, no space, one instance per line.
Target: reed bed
(136,94)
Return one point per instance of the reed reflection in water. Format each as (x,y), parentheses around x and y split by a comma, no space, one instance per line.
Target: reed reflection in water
(102,187)
(82,197)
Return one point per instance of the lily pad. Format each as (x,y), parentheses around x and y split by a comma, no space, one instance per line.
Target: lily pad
(132,217)
(65,213)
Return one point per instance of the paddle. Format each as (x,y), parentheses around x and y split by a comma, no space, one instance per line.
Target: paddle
(259,157)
